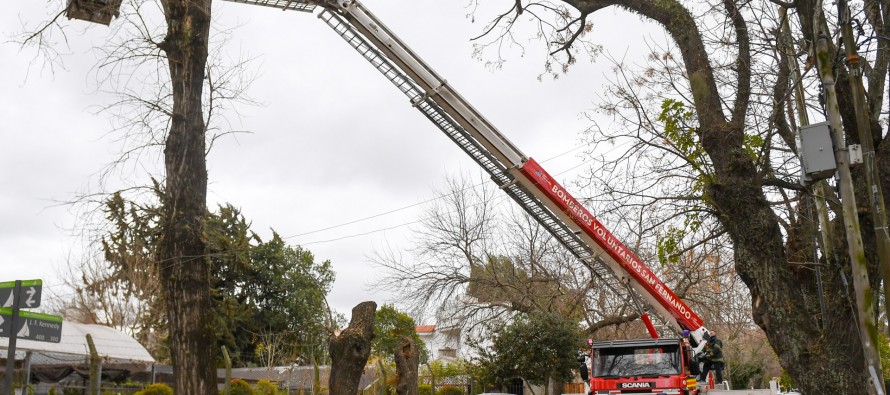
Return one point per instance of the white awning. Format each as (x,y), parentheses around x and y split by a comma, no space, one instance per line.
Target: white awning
(111,344)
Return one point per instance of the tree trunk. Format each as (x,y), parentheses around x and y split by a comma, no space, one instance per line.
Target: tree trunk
(432,377)
(382,379)
(350,350)
(184,268)
(407,361)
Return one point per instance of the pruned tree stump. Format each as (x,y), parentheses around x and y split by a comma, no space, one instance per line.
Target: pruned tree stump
(351,349)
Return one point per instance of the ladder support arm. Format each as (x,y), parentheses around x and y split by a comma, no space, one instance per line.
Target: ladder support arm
(524,180)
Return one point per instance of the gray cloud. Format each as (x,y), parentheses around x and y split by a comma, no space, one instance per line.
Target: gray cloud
(333,142)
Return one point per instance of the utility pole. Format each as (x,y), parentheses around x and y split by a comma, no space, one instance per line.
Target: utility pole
(821,188)
(863,126)
(864,302)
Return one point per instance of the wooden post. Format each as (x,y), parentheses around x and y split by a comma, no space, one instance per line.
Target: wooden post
(381,378)
(27,373)
(93,388)
(316,377)
(821,189)
(228,384)
(432,377)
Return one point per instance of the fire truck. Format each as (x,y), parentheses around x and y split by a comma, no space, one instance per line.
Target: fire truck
(649,366)
(655,366)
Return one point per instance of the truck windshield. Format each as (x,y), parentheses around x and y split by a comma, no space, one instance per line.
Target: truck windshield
(637,361)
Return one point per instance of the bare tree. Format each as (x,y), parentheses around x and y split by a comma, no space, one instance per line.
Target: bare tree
(705,136)
(478,258)
(169,95)
(100,298)
(172,53)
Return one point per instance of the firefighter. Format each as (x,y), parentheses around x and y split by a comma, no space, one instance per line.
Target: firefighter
(712,357)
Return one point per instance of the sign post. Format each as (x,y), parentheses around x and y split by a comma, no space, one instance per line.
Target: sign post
(27,325)
(10,350)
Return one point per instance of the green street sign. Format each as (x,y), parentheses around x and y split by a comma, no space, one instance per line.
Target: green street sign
(5,322)
(29,296)
(31,326)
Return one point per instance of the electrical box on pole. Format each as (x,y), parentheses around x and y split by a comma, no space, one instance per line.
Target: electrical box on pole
(816,153)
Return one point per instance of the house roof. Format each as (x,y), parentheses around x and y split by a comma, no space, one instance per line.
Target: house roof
(425,328)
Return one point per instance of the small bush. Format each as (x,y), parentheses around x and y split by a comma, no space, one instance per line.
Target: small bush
(71,391)
(155,389)
(424,389)
(240,387)
(450,390)
(266,387)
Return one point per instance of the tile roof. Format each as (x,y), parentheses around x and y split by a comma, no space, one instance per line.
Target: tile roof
(425,328)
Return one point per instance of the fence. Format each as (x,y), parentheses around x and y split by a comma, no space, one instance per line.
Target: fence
(465,383)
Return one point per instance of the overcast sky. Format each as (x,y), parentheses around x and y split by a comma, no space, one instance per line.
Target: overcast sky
(332,143)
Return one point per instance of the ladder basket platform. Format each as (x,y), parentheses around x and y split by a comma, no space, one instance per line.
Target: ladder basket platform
(97,11)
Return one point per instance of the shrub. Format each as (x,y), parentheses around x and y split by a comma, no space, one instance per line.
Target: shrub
(52,391)
(266,387)
(71,391)
(240,387)
(156,389)
(424,389)
(450,390)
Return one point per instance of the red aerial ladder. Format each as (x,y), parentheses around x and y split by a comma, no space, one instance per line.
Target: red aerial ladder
(538,193)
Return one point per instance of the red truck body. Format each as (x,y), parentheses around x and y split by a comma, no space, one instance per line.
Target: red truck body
(644,366)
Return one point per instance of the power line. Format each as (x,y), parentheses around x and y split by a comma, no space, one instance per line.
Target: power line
(442,196)
(430,200)
(164,264)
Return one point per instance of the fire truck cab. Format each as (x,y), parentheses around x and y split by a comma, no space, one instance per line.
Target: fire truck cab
(643,366)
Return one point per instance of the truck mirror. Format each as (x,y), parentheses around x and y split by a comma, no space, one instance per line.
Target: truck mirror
(585,375)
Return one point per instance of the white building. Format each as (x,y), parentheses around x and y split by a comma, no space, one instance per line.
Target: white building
(444,343)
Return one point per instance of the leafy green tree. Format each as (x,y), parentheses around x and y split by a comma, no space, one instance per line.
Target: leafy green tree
(268,297)
(389,328)
(537,347)
(268,293)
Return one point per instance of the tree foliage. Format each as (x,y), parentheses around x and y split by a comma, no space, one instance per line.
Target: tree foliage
(537,347)
(157,65)
(269,298)
(390,326)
